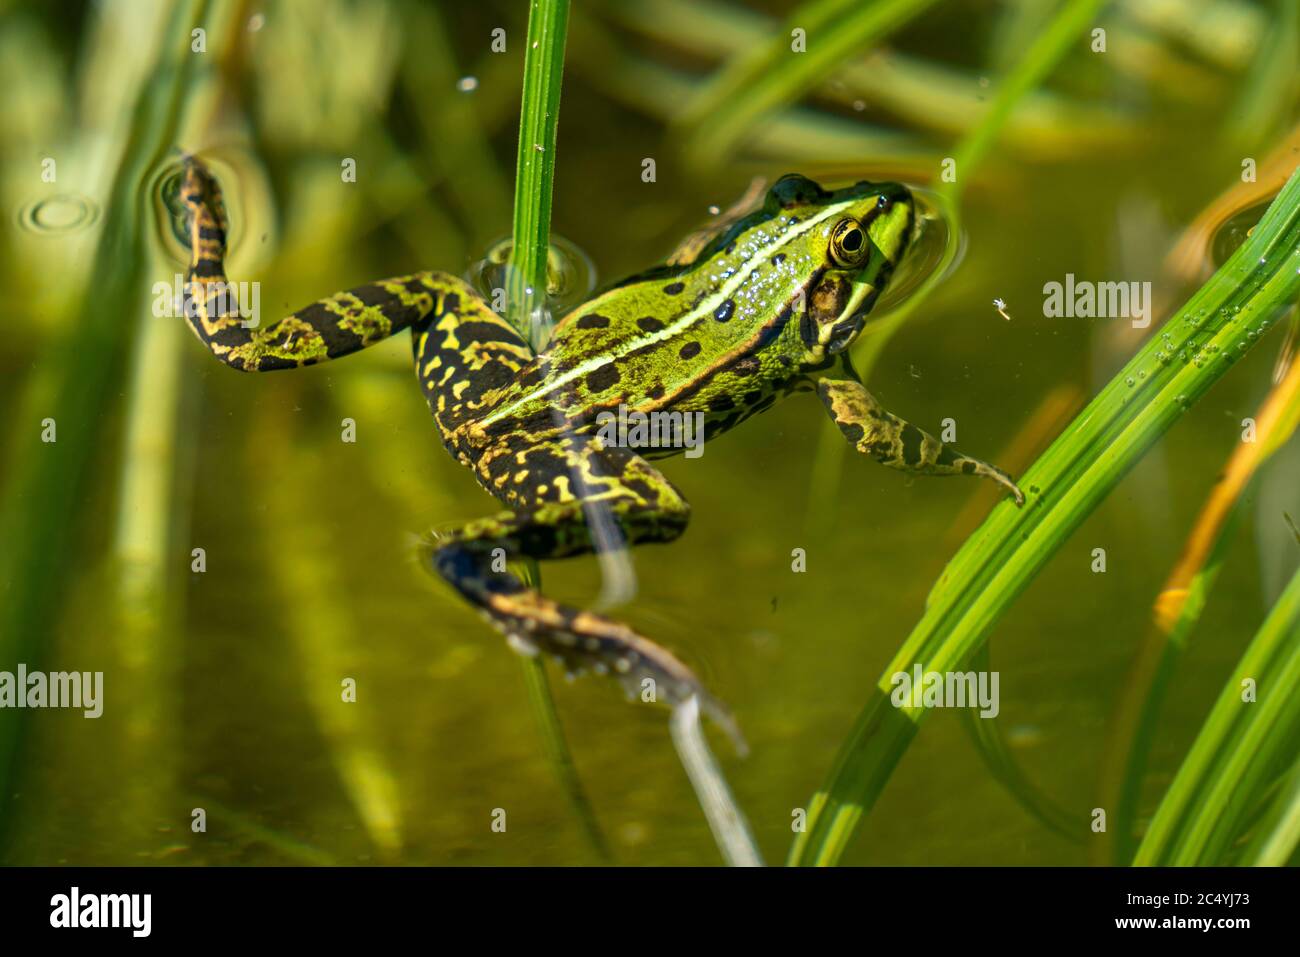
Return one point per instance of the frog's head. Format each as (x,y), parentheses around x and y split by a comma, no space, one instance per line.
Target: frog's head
(846,257)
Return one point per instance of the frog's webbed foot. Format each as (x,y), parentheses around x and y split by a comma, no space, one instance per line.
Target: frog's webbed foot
(645,508)
(897,443)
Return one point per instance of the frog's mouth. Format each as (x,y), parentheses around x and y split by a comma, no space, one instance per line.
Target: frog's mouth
(862,296)
(846,330)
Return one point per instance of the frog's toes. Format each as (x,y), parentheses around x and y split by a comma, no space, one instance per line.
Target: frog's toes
(972,466)
(1010,484)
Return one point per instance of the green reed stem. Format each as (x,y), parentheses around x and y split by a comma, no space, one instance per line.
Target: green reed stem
(548,24)
(1166,377)
(526,300)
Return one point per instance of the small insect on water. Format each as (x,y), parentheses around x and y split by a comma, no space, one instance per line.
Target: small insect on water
(757,308)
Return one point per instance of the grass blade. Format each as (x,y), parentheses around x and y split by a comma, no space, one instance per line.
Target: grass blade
(1278,834)
(775,73)
(1241,746)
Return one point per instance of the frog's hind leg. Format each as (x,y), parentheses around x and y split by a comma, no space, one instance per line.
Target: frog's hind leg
(463,353)
(643,506)
(342,324)
(896,443)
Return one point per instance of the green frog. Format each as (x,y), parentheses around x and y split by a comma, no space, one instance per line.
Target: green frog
(761,306)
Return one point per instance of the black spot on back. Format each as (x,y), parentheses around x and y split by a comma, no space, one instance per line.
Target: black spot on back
(673,288)
(603,378)
(477,331)
(690,350)
(593,321)
(721,403)
(724,311)
(649,324)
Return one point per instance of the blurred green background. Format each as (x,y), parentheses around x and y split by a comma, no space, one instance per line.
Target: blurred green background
(222,687)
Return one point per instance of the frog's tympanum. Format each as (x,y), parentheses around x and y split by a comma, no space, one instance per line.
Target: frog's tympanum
(765,307)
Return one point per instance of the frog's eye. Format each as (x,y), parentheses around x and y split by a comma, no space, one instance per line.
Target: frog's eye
(849,247)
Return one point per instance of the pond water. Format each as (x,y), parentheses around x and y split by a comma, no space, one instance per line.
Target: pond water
(223,686)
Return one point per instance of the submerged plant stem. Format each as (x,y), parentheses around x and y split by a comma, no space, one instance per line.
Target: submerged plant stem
(557,747)
(730,829)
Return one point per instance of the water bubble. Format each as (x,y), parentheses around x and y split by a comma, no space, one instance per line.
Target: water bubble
(467,84)
(62,213)
(1234,231)
(256,22)
(1130,382)
(570,273)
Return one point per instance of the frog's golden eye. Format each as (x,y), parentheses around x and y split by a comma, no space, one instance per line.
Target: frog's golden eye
(849,245)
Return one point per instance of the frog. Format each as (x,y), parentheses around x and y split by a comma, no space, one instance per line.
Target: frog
(743,314)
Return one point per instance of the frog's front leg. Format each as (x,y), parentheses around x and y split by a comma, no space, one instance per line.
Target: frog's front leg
(896,443)
(613,488)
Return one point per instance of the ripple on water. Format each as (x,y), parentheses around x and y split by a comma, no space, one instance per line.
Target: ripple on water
(59,214)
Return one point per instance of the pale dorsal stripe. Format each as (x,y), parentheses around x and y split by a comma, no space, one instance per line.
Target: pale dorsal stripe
(705,308)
